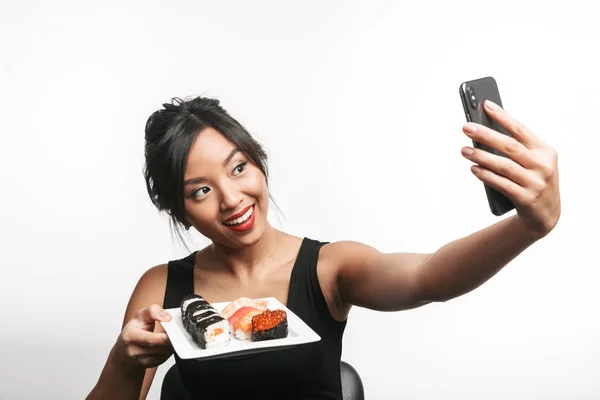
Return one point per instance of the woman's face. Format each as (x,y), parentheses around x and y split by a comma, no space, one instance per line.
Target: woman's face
(221,182)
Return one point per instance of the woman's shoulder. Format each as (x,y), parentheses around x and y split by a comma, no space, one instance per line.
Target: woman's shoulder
(149,290)
(154,279)
(337,253)
(155,274)
(151,285)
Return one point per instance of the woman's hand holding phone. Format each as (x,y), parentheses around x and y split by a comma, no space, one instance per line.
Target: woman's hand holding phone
(528,176)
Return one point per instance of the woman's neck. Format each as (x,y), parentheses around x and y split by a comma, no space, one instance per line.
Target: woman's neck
(248,261)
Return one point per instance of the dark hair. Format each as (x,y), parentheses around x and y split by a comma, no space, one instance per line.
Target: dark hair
(169,134)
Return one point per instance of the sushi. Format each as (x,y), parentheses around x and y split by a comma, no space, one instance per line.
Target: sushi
(235,305)
(269,325)
(188,301)
(204,323)
(241,322)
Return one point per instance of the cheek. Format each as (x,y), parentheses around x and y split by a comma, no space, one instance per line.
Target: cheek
(263,188)
(202,214)
(264,197)
(256,185)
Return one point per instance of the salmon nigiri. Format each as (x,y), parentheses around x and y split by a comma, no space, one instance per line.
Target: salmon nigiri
(233,320)
(241,322)
(235,305)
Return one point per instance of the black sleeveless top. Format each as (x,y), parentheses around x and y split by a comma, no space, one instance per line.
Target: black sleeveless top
(307,371)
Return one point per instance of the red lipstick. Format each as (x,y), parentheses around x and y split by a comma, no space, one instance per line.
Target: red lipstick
(236,216)
(244,226)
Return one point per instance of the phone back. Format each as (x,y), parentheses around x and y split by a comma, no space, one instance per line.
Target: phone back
(482,89)
(473,94)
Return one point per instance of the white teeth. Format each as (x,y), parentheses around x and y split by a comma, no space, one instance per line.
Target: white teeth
(241,219)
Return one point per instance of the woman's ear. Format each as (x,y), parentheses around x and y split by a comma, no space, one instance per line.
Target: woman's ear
(186,222)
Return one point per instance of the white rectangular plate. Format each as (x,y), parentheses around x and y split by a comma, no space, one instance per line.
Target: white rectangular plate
(185,347)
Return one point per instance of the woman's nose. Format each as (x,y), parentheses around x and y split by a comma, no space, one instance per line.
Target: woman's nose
(231,198)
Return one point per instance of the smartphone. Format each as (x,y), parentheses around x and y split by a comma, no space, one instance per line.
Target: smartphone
(473,94)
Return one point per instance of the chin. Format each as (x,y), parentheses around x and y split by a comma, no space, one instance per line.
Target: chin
(243,240)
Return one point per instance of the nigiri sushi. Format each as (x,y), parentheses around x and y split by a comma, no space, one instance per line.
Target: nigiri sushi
(233,320)
(241,322)
(235,305)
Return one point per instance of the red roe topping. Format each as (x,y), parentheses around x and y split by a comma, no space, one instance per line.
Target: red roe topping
(268,320)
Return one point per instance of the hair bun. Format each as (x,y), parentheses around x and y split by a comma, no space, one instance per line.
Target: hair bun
(205,104)
(156,126)
(158,123)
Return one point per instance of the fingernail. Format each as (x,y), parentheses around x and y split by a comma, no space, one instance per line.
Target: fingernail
(470,129)
(467,151)
(164,315)
(476,170)
(491,105)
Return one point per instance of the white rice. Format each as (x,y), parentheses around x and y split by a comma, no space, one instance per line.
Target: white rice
(221,339)
(242,335)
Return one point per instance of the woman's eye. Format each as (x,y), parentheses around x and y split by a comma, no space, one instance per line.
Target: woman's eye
(239,168)
(203,191)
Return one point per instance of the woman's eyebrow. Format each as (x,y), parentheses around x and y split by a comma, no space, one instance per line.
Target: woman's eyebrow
(202,179)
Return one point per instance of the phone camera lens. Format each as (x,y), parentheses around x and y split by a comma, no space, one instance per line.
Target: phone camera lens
(472,98)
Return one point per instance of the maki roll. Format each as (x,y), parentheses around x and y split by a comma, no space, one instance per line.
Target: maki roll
(210,330)
(204,323)
(195,308)
(186,302)
(269,325)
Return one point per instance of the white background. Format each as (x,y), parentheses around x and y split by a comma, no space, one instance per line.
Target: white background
(357,105)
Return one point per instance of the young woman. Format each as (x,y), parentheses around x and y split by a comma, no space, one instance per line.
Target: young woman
(206,171)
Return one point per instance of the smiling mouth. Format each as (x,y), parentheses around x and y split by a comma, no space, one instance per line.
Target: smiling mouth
(246,214)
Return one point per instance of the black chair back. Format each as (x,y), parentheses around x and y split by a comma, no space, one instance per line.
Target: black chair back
(352,387)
